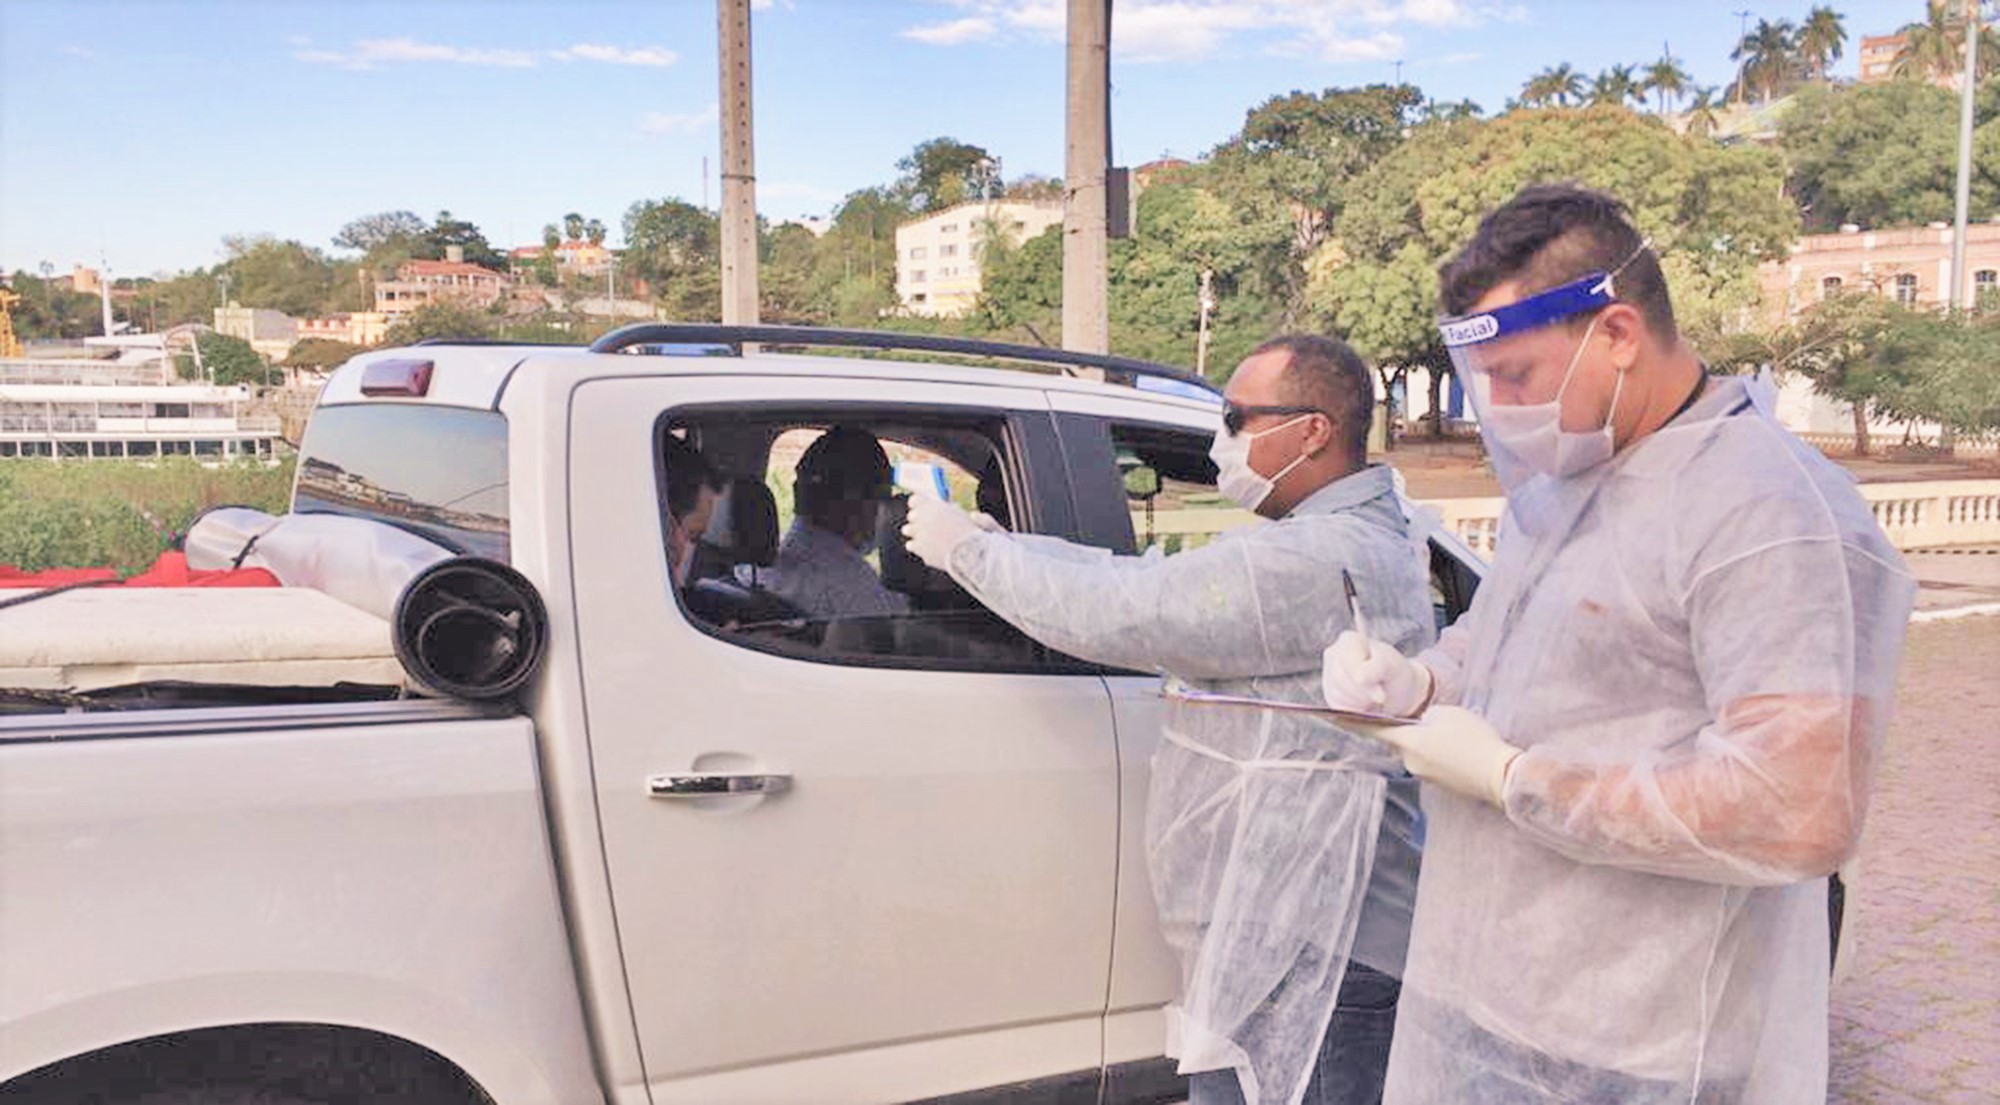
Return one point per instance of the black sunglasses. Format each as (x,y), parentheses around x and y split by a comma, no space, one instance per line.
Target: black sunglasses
(1234,415)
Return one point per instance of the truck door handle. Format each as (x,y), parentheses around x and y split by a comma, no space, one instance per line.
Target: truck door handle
(706,786)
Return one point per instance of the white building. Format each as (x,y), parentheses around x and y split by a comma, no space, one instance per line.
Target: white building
(937,256)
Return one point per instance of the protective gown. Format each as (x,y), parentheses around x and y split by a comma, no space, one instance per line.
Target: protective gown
(1262,827)
(1696,643)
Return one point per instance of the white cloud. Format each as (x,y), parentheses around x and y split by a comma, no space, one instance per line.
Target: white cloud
(970,29)
(369,53)
(1190,30)
(79,52)
(661,122)
(614,55)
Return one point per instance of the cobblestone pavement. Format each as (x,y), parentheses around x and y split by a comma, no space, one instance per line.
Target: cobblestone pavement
(1916,1013)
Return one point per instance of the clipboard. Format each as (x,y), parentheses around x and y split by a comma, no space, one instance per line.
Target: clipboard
(1211,698)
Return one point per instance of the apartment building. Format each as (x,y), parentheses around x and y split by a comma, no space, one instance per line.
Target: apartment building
(937,265)
(1910,265)
(419,283)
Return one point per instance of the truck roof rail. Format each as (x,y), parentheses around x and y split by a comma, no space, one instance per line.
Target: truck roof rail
(731,340)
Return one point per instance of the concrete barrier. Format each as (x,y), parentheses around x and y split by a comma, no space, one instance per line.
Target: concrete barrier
(1923,515)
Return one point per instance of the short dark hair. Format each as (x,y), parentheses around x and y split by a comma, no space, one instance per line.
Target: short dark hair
(844,464)
(1551,234)
(687,472)
(1327,374)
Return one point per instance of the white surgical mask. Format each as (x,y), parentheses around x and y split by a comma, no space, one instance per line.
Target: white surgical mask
(1533,434)
(1238,482)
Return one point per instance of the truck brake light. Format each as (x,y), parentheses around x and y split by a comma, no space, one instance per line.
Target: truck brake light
(407,378)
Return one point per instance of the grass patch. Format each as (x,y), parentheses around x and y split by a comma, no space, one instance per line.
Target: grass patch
(120,514)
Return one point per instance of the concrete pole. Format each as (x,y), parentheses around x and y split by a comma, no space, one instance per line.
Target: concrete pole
(1964,198)
(1086,313)
(739,171)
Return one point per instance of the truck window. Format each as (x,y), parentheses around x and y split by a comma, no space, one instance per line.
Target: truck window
(803,552)
(440,472)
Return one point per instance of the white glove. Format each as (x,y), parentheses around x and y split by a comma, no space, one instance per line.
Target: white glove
(988,523)
(1358,673)
(935,530)
(1453,748)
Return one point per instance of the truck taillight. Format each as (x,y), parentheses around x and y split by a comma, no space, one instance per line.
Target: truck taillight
(406,378)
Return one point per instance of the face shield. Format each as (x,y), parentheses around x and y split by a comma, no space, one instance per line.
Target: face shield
(1500,357)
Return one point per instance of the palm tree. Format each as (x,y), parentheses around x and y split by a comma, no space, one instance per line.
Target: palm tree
(1666,79)
(1768,55)
(1540,91)
(1935,48)
(1701,115)
(1820,40)
(1562,85)
(1616,85)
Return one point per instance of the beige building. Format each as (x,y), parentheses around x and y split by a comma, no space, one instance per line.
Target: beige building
(937,266)
(271,333)
(354,328)
(1911,266)
(419,283)
(1878,57)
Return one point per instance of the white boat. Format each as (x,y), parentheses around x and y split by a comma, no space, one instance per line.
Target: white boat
(79,410)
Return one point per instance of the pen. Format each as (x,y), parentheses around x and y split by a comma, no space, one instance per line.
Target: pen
(1380,694)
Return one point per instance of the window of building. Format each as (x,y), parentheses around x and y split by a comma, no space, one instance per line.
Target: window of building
(916,253)
(1906,289)
(918,298)
(1986,289)
(948,250)
(1829,287)
(917,277)
(817,570)
(948,228)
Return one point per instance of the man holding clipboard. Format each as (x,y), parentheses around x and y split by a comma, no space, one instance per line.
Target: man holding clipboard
(1282,847)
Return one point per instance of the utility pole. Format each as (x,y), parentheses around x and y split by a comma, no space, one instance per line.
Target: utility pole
(1085,310)
(1742,32)
(739,174)
(1201,340)
(1964,199)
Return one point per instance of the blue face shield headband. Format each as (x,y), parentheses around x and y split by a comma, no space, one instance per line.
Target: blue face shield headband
(1558,303)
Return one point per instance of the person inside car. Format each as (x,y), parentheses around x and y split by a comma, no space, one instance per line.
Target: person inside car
(693,486)
(842,483)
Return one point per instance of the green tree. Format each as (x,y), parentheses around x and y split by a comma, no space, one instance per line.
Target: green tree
(572,227)
(1558,86)
(941,172)
(1935,48)
(443,319)
(785,288)
(50,310)
(446,232)
(1883,155)
(1820,41)
(320,354)
(1616,86)
(1021,287)
(1294,161)
(1702,117)
(1768,56)
(854,264)
(224,360)
(1712,212)
(371,232)
(1183,231)
(677,248)
(280,275)
(1667,81)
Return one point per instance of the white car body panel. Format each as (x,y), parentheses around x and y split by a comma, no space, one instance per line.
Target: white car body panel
(393,877)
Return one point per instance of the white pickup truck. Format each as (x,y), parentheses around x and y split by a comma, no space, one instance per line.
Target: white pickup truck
(711,850)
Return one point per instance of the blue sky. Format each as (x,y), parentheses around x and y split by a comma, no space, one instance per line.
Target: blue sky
(145,132)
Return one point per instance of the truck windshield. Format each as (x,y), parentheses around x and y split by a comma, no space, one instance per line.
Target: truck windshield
(440,472)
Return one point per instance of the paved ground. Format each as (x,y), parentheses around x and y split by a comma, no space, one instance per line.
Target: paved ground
(1949,578)
(1916,1015)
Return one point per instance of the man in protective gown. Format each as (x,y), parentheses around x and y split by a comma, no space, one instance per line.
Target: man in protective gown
(1654,734)
(1282,849)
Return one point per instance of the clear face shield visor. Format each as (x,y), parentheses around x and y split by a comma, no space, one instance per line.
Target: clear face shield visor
(1499,355)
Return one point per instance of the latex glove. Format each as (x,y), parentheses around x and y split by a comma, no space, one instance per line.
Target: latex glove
(1358,673)
(1455,749)
(935,530)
